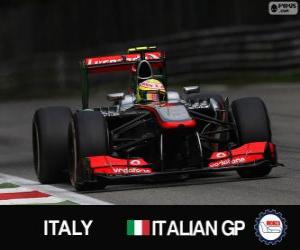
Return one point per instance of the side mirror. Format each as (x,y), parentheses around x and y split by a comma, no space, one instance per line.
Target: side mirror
(191,89)
(173,96)
(128,99)
(115,96)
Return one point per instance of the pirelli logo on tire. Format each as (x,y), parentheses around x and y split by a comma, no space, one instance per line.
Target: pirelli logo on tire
(283,8)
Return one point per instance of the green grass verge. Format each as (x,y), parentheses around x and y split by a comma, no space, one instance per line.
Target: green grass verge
(8,185)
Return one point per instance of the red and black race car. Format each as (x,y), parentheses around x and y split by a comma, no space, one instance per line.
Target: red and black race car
(180,135)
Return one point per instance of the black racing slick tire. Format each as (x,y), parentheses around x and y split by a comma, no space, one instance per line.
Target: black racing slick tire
(50,143)
(88,136)
(253,125)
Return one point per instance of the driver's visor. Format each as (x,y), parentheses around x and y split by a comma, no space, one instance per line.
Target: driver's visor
(153,96)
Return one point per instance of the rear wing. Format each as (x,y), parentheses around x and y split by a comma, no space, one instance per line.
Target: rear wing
(113,63)
(122,62)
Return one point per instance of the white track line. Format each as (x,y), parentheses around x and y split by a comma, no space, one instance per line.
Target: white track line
(52,190)
(26,201)
(15,190)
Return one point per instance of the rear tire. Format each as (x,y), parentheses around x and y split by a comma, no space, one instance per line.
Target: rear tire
(253,125)
(87,137)
(50,143)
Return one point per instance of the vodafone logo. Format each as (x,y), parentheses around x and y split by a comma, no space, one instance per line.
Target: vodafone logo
(227,162)
(133,170)
(135,162)
(221,155)
(238,160)
(220,163)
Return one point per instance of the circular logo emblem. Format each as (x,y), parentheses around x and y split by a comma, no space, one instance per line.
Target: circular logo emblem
(221,155)
(273,7)
(270,227)
(135,162)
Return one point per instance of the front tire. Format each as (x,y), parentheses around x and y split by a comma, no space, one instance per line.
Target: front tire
(253,125)
(50,143)
(87,137)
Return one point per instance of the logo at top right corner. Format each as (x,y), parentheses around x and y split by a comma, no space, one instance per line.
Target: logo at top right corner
(283,8)
(270,227)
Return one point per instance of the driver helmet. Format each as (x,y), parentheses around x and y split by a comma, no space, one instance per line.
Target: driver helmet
(150,90)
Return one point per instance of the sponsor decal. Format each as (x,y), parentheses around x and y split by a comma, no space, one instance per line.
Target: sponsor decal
(270,227)
(283,8)
(131,170)
(251,151)
(105,161)
(227,162)
(184,228)
(104,60)
(121,58)
(112,165)
(132,58)
(135,162)
(155,55)
(221,155)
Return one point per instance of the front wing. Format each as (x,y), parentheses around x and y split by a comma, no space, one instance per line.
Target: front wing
(250,155)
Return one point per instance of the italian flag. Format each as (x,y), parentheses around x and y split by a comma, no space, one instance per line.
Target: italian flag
(138,227)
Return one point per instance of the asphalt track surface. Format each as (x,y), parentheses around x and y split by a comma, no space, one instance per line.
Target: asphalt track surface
(282,186)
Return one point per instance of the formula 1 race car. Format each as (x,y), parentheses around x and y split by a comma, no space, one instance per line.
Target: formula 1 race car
(151,132)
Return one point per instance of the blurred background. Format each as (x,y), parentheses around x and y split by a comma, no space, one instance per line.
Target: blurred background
(206,41)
